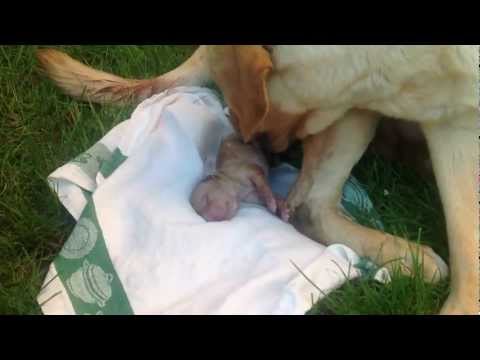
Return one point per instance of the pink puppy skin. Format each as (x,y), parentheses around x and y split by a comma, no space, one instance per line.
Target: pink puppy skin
(241,176)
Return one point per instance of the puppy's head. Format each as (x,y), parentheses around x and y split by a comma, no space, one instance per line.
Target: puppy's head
(241,72)
(214,201)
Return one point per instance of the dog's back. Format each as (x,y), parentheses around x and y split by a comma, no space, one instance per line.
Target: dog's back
(406,82)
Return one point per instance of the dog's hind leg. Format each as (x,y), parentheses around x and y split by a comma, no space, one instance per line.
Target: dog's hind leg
(347,140)
(455,155)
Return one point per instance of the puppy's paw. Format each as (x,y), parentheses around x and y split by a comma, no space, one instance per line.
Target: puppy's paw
(282,209)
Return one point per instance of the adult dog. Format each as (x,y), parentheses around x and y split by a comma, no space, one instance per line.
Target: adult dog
(331,97)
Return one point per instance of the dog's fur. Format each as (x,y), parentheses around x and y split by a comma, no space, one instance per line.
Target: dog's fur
(331,97)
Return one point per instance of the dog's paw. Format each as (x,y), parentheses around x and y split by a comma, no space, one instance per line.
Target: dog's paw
(412,257)
(299,193)
(458,306)
(282,209)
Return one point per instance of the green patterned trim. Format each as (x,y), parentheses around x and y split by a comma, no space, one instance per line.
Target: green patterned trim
(108,167)
(87,272)
(91,160)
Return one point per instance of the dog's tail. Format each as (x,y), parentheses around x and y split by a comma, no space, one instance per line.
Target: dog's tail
(85,83)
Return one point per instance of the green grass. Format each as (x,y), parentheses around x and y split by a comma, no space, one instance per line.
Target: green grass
(42,129)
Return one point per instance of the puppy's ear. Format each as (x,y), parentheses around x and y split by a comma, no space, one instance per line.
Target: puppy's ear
(241,72)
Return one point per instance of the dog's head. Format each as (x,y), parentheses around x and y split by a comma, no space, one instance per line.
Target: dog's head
(241,72)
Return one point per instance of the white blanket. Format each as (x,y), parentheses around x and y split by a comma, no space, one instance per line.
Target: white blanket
(140,248)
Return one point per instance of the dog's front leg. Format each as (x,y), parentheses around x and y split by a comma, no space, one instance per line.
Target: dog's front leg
(455,154)
(312,152)
(316,149)
(348,138)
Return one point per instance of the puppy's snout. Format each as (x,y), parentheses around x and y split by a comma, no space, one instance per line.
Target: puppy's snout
(216,211)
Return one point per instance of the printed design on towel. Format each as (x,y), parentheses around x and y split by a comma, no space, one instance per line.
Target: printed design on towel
(87,272)
(91,284)
(90,161)
(81,241)
(357,205)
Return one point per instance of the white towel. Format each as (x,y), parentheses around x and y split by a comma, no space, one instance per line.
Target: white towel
(139,247)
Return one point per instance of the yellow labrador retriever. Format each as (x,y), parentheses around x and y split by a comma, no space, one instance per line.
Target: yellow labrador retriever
(331,97)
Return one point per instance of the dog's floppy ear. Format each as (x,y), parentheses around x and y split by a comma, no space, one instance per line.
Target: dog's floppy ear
(241,73)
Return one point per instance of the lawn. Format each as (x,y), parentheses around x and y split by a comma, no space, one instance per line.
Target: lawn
(42,129)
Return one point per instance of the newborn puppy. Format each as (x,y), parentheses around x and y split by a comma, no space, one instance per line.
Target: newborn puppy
(241,175)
